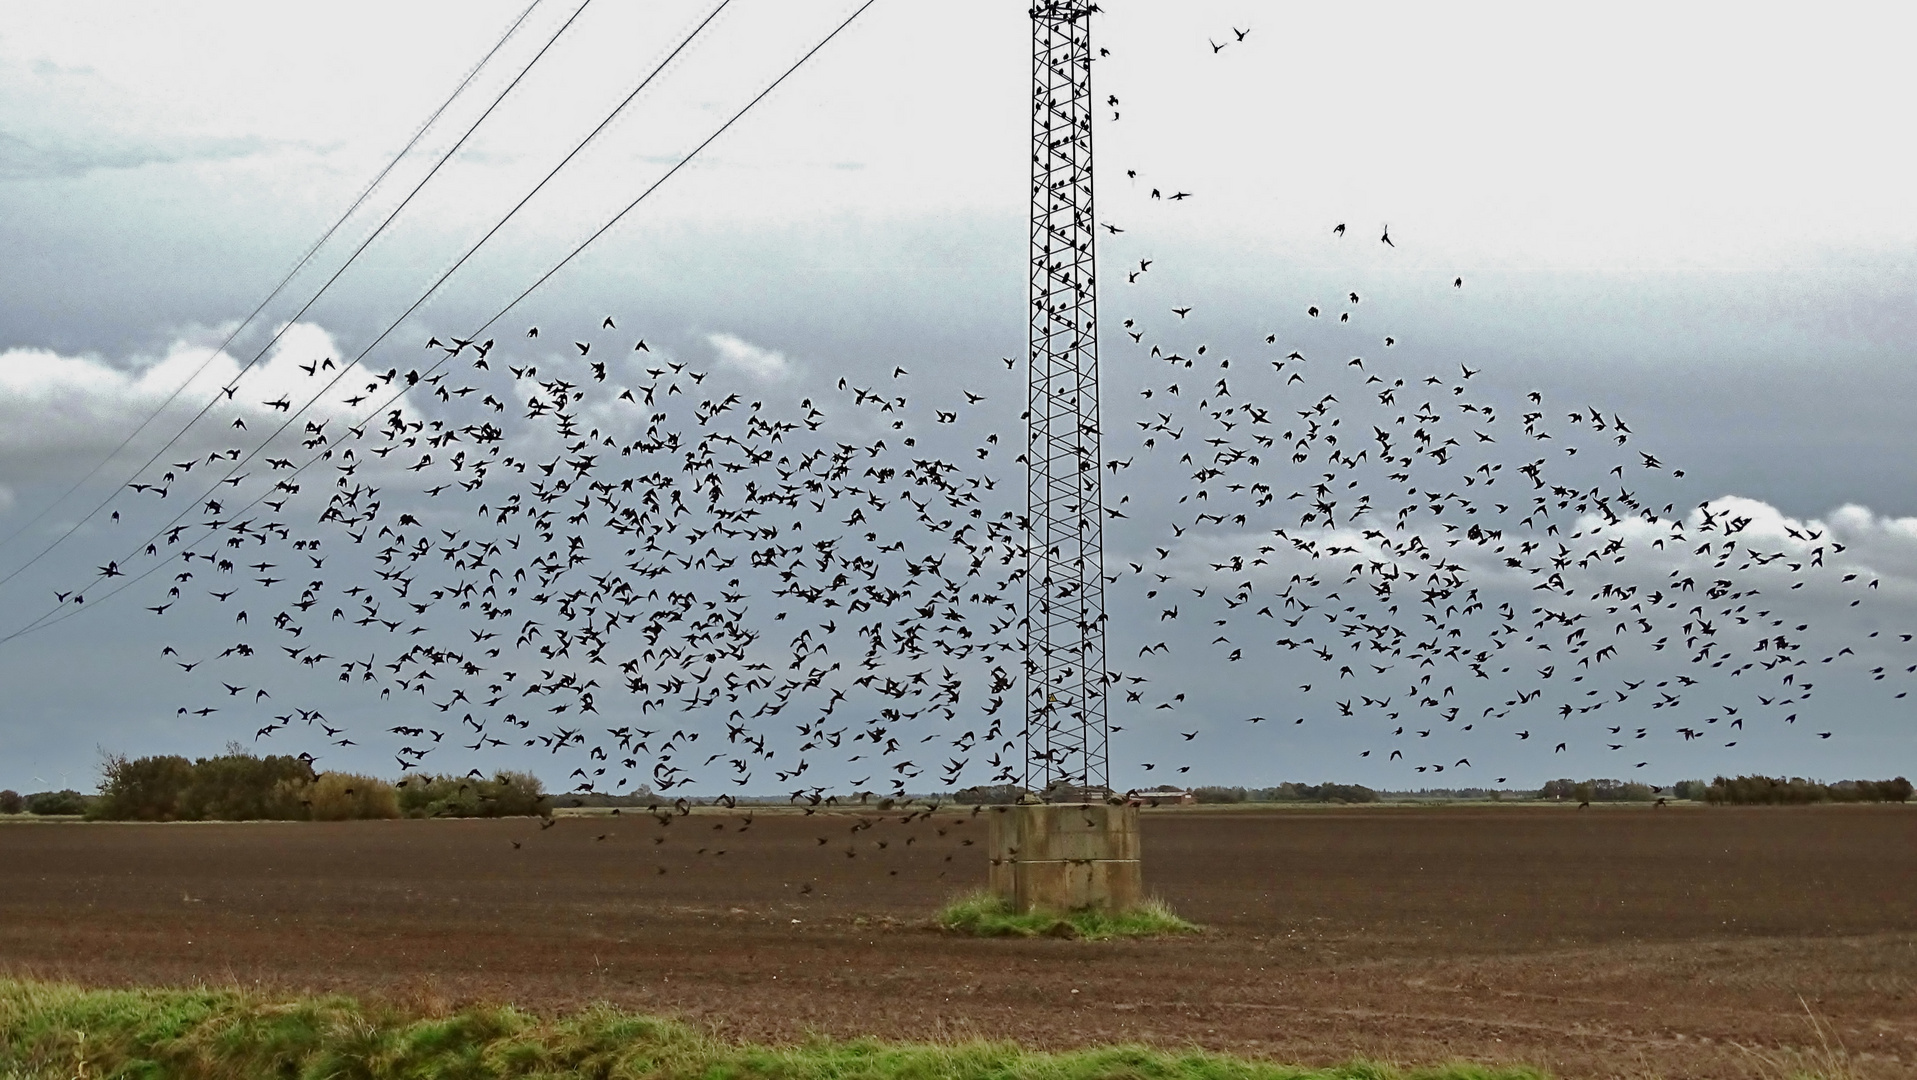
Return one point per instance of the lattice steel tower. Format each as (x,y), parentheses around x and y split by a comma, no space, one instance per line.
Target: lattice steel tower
(1066,732)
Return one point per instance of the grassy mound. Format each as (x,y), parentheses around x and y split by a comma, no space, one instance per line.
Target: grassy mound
(985,915)
(49,1031)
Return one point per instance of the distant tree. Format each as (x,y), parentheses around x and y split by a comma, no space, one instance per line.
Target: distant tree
(11,802)
(142,789)
(51,803)
(1597,790)
(1328,793)
(1621,791)
(639,796)
(1797,791)
(241,787)
(506,794)
(349,797)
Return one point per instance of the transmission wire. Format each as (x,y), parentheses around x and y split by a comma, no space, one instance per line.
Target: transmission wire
(364,194)
(43,621)
(669,172)
(290,323)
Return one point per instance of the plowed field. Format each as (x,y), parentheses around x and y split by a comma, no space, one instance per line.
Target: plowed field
(1614,941)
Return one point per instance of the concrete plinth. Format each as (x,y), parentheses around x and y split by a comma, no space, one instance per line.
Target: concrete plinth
(1065,856)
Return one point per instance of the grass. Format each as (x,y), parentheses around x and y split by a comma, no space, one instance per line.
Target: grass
(50,1031)
(985,915)
(1830,1061)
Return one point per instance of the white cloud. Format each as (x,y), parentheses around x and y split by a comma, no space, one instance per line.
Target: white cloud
(760,363)
(58,413)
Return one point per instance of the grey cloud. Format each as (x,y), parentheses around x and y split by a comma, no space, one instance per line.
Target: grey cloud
(55,157)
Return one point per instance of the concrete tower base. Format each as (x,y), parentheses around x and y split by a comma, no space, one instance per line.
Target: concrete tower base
(1065,856)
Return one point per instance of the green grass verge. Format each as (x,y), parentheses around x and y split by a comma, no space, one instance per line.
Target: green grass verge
(985,915)
(49,1031)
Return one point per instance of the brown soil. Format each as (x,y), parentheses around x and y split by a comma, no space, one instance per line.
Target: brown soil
(1678,942)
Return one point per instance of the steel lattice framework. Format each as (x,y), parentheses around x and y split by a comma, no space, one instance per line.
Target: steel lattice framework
(1067,736)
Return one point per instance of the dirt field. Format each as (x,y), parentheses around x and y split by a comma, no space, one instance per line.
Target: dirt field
(1605,942)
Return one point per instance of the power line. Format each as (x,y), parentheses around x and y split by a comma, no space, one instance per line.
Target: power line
(290,323)
(680,165)
(348,367)
(305,258)
(57,615)
(44,620)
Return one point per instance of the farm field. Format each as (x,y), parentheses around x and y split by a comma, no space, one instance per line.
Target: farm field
(1614,941)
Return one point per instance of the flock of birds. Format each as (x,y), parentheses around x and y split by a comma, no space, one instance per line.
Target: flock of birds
(684,580)
(1428,559)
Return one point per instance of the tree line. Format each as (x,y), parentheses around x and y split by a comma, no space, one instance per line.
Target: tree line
(240,786)
(1795,791)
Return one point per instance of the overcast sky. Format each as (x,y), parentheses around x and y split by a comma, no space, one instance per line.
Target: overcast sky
(1697,217)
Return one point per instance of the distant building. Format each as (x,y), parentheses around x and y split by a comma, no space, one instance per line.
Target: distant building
(1161,798)
(1061,792)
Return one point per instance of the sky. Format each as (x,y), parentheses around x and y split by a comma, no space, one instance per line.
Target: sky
(1695,221)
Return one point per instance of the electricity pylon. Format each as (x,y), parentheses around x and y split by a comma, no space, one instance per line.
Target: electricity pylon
(1067,736)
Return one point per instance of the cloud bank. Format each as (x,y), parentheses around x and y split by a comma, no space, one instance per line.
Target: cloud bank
(59,414)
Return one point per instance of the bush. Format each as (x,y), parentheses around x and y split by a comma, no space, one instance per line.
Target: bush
(507,794)
(11,802)
(348,797)
(52,803)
